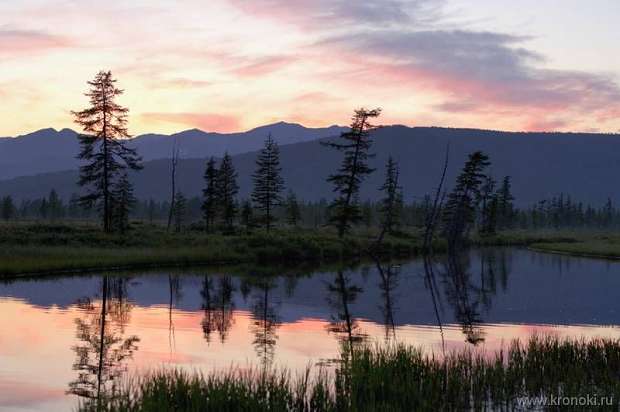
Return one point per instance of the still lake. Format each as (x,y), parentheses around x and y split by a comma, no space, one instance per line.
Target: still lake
(207,319)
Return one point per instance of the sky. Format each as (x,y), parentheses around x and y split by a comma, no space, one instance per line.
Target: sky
(231,65)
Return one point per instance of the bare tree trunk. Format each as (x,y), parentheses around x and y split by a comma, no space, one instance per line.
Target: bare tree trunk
(433,216)
(173,177)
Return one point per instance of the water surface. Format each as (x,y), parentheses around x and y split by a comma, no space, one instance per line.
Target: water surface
(51,329)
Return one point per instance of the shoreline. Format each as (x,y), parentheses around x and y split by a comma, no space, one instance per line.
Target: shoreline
(542,249)
(40,250)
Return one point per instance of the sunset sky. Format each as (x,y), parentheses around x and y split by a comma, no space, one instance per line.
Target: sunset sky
(229,65)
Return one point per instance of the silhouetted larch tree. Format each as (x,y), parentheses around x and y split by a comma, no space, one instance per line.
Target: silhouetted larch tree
(460,210)
(268,182)
(390,204)
(209,194)
(227,189)
(293,213)
(345,209)
(102,146)
(123,201)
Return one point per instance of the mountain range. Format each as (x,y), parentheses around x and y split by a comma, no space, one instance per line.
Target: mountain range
(49,150)
(542,165)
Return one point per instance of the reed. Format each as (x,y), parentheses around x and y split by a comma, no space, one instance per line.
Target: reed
(394,378)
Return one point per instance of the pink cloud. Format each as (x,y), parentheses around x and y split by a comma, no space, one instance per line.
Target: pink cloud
(544,125)
(30,41)
(206,122)
(527,97)
(263,66)
(316,14)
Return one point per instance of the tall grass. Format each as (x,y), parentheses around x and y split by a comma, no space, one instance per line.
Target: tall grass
(395,378)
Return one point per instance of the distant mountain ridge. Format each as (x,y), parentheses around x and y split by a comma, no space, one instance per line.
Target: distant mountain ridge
(542,165)
(49,150)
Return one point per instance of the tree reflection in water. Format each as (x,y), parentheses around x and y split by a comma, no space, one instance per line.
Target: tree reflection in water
(388,283)
(342,293)
(218,306)
(175,288)
(469,296)
(102,351)
(265,320)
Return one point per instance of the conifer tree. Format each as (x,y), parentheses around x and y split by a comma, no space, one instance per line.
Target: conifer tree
(103,149)
(293,214)
(8,208)
(247,216)
(355,145)
(74,210)
(123,201)
(209,194)
(268,183)
(392,200)
(174,161)
(179,211)
(505,206)
(227,189)
(55,205)
(489,204)
(43,209)
(460,209)
(367,214)
(151,209)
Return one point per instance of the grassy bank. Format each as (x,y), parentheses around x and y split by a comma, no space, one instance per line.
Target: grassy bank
(599,246)
(33,248)
(531,237)
(393,379)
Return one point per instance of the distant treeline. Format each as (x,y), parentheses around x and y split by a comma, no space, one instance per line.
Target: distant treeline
(559,212)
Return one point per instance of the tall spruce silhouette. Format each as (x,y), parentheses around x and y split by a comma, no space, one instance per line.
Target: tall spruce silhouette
(227,189)
(209,194)
(103,149)
(268,182)
(345,209)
